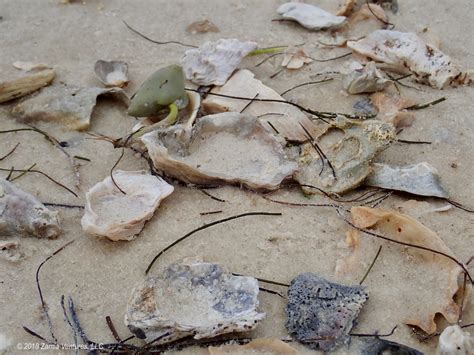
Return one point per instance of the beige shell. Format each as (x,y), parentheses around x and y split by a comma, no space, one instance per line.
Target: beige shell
(228,148)
(258,346)
(111,74)
(110,213)
(15,88)
(214,62)
(391,107)
(69,105)
(22,214)
(406,52)
(286,119)
(295,58)
(309,16)
(366,79)
(196,299)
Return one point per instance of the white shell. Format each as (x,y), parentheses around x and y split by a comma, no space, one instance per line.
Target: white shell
(214,62)
(228,147)
(22,214)
(69,105)
(117,216)
(113,73)
(366,79)
(406,51)
(454,341)
(198,299)
(419,179)
(309,16)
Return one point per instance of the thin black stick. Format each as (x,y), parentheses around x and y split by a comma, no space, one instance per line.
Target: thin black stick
(296,204)
(460,206)
(259,279)
(62,205)
(210,212)
(365,231)
(375,334)
(43,303)
(10,173)
(271,292)
(23,173)
(36,335)
(412,142)
(112,172)
(10,152)
(429,104)
(371,266)
(154,41)
(42,173)
(305,84)
(207,226)
(251,101)
(111,326)
(272,127)
(212,196)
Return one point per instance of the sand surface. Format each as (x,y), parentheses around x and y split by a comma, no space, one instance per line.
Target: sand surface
(99,275)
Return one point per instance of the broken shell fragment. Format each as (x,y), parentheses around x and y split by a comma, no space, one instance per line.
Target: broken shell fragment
(214,62)
(203,26)
(258,346)
(286,119)
(199,300)
(295,58)
(228,148)
(69,105)
(418,179)
(445,276)
(407,52)
(320,313)
(309,16)
(391,107)
(119,215)
(112,73)
(13,89)
(22,214)
(454,341)
(366,79)
(29,66)
(350,155)
(163,88)
(369,18)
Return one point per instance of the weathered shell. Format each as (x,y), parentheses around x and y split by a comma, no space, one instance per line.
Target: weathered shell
(162,88)
(13,89)
(224,148)
(391,108)
(71,106)
(214,62)
(351,156)
(366,79)
(455,341)
(309,16)
(406,51)
(113,73)
(320,313)
(118,216)
(199,299)
(23,214)
(419,179)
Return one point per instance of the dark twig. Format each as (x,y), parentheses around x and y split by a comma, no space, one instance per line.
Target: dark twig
(272,292)
(111,326)
(273,127)
(375,334)
(259,279)
(40,292)
(212,196)
(36,335)
(207,226)
(412,142)
(371,266)
(305,84)
(112,172)
(10,152)
(210,212)
(62,205)
(460,206)
(251,101)
(429,104)
(23,173)
(10,173)
(154,41)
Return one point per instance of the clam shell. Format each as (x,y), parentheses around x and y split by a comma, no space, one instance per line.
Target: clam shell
(113,73)
(309,16)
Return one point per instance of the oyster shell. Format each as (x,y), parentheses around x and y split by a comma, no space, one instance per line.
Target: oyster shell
(117,216)
(351,156)
(13,89)
(418,179)
(23,214)
(309,16)
(71,106)
(366,79)
(407,52)
(285,118)
(113,73)
(228,147)
(199,299)
(214,62)
(255,347)
(321,313)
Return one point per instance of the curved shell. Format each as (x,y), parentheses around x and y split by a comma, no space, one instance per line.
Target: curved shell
(309,16)
(113,73)
(117,216)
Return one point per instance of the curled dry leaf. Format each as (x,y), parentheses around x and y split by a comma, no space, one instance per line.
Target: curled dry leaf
(255,347)
(286,119)
(309,16)
(199,299)
(13,89)
(320,313)
(69,105)
(455,341)
(117,216)
(214,62)
(426,275)
(295,58)
(203,26)
(111,74)
(366,79)
(391,107)
(224,148)
(22,214)
(418,179)
(350,146)
(407,53)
